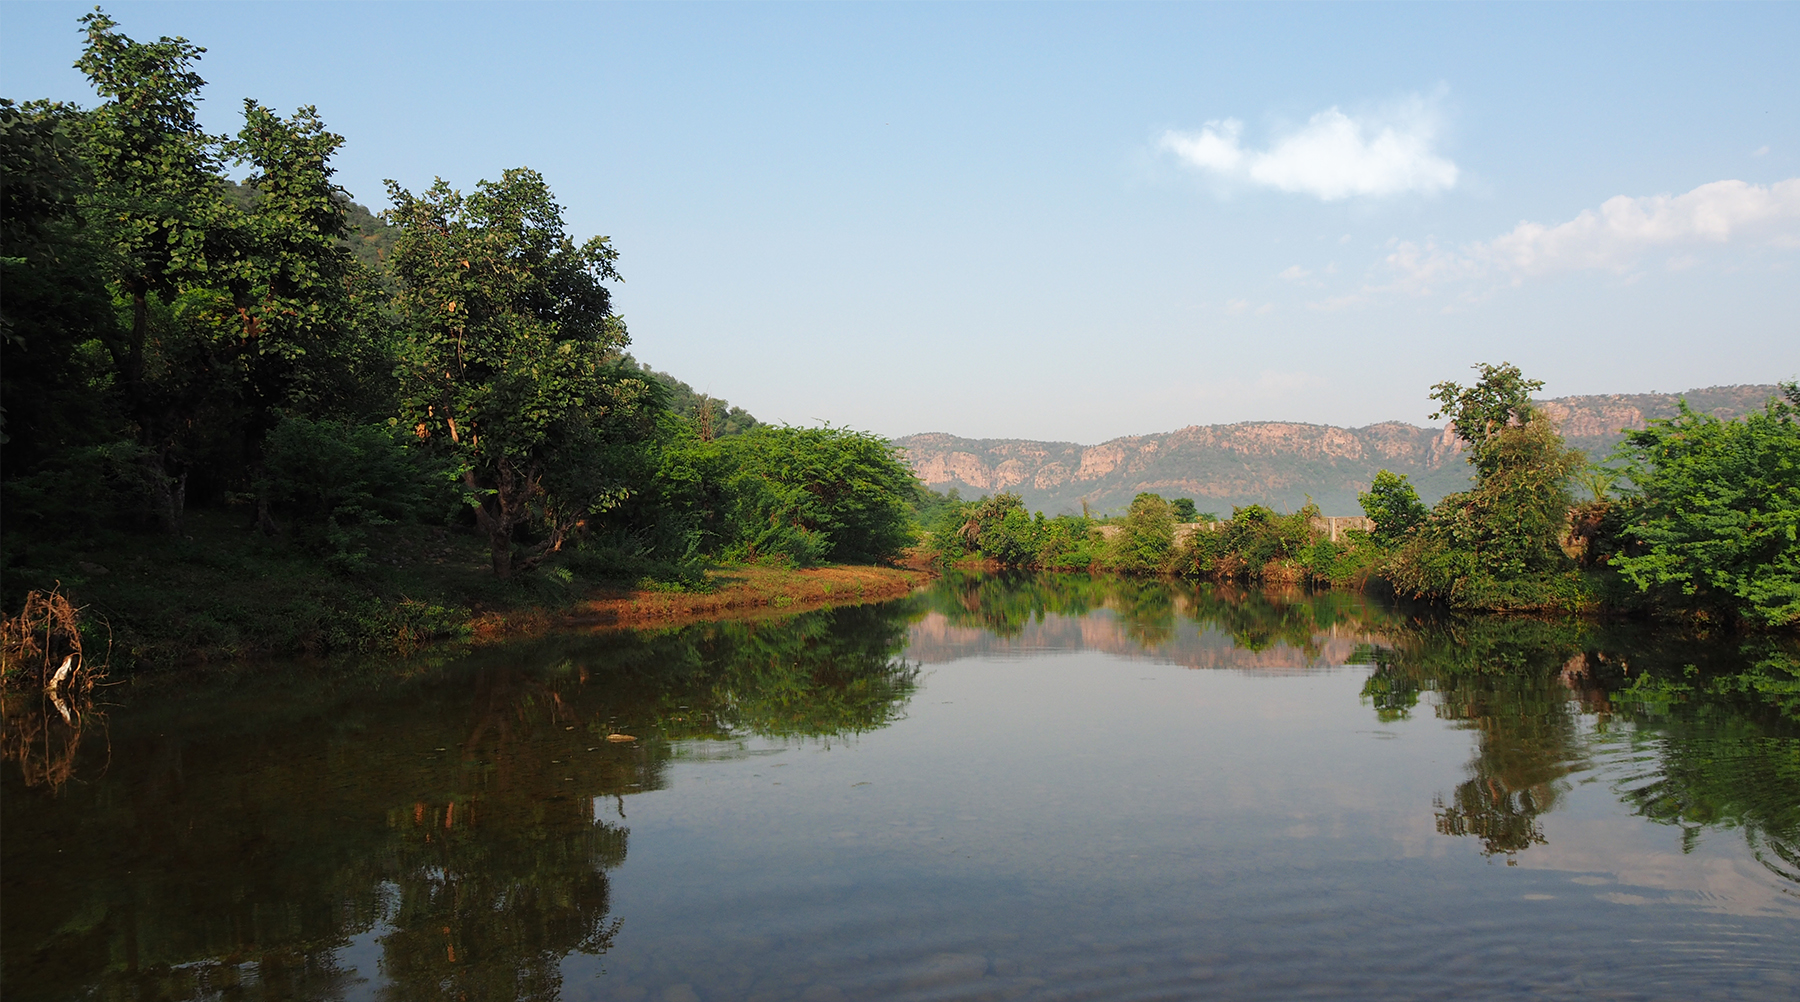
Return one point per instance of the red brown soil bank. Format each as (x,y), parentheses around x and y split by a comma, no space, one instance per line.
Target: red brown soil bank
(743,593)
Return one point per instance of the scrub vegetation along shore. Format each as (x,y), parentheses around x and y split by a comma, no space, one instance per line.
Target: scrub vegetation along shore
(1695,518)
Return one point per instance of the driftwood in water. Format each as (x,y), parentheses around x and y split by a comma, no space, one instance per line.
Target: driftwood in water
(45,678)
(41,647)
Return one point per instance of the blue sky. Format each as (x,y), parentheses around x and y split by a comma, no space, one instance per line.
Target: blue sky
(1077,222)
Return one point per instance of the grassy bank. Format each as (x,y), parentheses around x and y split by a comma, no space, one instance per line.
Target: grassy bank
(223,592)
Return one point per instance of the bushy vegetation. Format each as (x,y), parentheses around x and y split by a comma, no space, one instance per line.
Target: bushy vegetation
(1705,522)
(202,324)
(1712,516)
(1499,545)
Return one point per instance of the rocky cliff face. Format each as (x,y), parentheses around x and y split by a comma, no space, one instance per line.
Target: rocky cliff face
(1269,462)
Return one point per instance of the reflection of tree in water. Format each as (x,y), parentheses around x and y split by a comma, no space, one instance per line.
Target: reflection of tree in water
(1507,680)
(1724,748)
(243,836)
(1146,608)
(43,734)
(1004,604)
(1149,609)
(1259,619)
(1712,743)
(486,904)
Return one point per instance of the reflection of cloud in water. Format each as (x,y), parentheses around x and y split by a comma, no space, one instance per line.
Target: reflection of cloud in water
(1721,884)
(935,640)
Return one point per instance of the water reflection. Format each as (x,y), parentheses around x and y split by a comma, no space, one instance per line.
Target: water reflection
(1711,726)
(460,832)
(461,824)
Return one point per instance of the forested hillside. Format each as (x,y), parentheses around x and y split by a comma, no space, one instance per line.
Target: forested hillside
(1272,462)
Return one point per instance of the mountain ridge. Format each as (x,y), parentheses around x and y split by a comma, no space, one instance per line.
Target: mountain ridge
(1279,463)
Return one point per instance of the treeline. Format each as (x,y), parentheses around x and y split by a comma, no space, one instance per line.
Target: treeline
(1694,517)
(177,340)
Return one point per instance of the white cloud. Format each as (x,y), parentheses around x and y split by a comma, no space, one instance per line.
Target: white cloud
(1615,237)
(1294,273)
(1624,228)
(1760,152)
(1332,157)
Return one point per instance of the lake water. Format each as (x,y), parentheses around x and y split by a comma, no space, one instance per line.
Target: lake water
(1030,788)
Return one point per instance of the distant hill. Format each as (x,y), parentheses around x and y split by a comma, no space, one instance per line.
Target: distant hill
(1270,462)
(715,415)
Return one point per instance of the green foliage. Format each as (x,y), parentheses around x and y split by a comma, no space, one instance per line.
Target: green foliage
(1068,543)
(929,505)
(1394,507)
(1146,539)
(1184,510)
(1713,513)
(1000,529)
(510,362)
(173,336)
(1499,546)
(712,417)
(813,494)
(79,490)
(1255,542)
(56,315)
(335,479)
(1501,399)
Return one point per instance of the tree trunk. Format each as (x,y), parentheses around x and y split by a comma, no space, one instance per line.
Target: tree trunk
(492,518)
(170,494)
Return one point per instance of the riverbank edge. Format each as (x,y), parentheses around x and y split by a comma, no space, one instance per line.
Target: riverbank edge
(751,591)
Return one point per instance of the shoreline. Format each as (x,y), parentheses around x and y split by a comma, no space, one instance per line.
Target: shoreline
(748,592)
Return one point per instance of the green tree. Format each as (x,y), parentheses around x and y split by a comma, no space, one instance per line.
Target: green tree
(820,494)
(1713,511)
(1393,505)
(1499,400)
(1184,510)
(157,203)
(303,300)
(56,314)
(510,361)
(1498,545)
(1146,539)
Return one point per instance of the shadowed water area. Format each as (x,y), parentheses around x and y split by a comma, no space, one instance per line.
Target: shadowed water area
(1037,787)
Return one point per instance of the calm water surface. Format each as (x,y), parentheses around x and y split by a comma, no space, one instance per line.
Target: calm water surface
(1036,788)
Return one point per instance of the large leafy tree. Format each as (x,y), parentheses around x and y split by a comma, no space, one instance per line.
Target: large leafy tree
(1481,413)
(156,178)
(1713,514)
(55,303)
(510,360)
(237,310)
(1393,505)
(1498,545)
(302,301)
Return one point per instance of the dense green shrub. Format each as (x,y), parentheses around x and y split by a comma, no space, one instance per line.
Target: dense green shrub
(1068,543)
(1394,506)
(1254,538)
(812,494)
(333,479)
(1712,517)
(1146,539)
